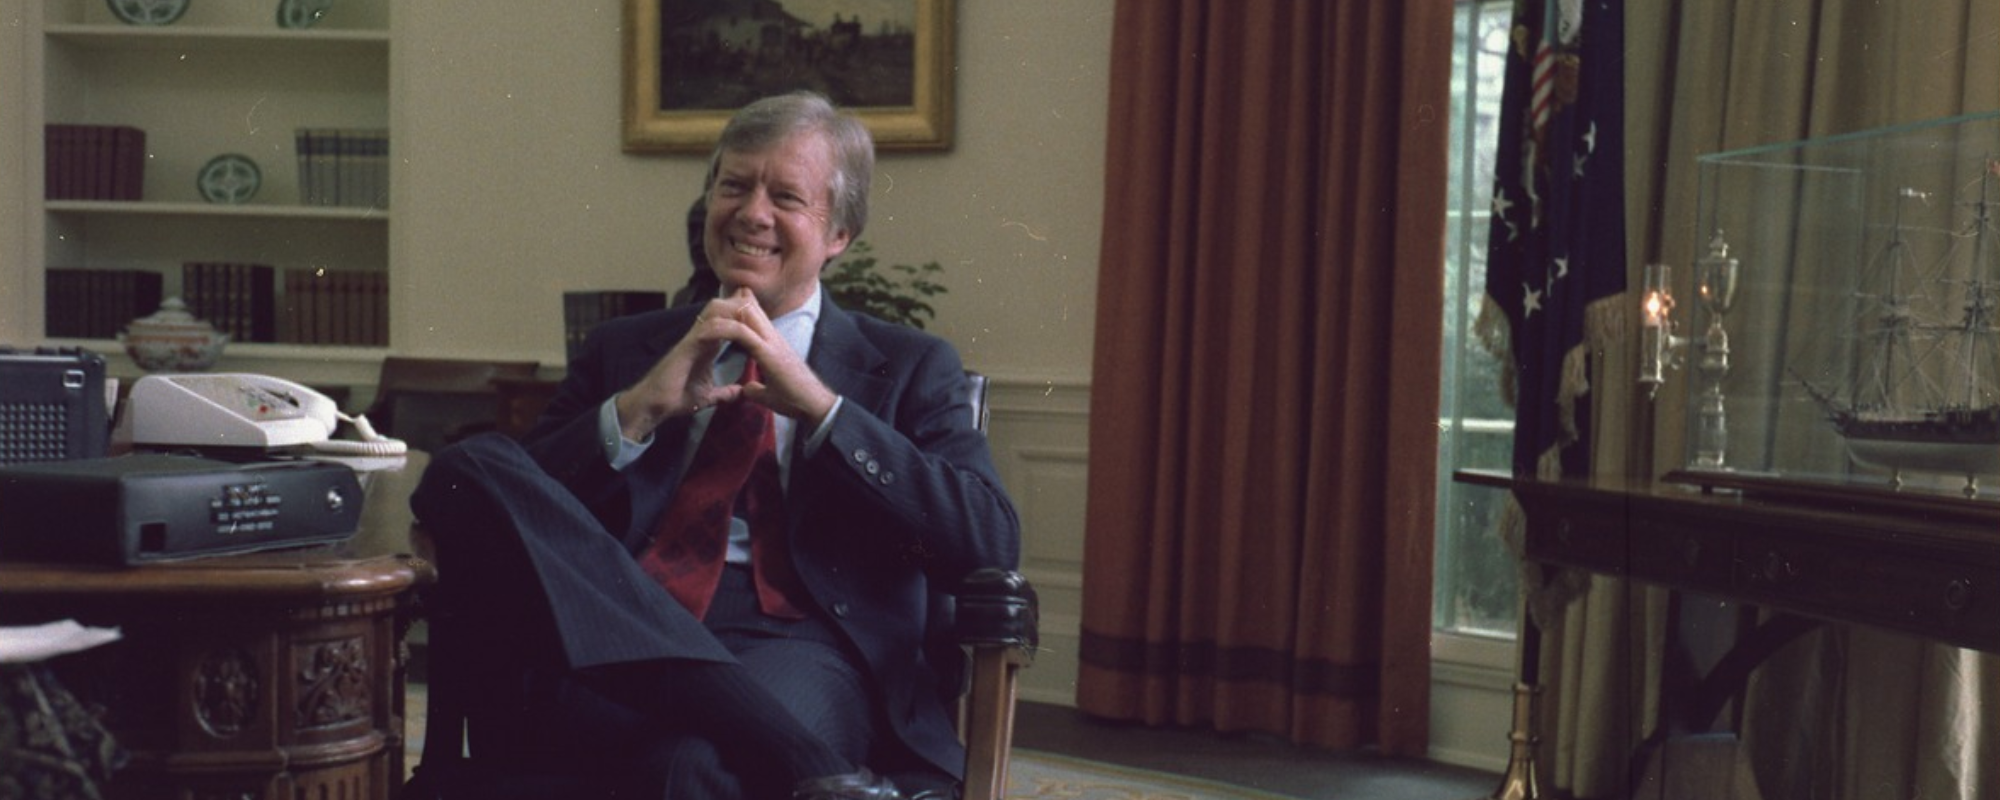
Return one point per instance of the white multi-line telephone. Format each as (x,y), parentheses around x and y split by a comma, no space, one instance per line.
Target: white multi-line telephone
(245,411)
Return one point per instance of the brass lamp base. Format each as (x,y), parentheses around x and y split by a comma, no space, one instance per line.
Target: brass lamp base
(1520,782)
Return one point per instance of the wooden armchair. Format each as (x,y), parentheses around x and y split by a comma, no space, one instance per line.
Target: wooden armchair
(431,402)
(989,619)
(997,623)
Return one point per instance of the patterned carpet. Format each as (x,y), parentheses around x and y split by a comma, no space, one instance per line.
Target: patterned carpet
(1046,775)
(1031,775)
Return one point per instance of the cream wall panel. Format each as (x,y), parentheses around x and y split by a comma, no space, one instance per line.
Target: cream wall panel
(1472,700)
(1040,433)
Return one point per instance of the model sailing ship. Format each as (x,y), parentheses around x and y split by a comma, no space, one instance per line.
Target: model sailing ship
(1926,397)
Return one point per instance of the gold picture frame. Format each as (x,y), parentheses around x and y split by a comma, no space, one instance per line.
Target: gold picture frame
(726,75)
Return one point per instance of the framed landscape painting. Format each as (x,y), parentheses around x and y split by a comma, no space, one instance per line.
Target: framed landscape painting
(689,64)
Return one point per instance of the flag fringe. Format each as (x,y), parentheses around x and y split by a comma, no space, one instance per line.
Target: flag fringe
(1603,324)
(1495,334)
(1549,590)
(1604,320)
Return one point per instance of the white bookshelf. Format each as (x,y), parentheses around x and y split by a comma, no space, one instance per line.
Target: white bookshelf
(224,78)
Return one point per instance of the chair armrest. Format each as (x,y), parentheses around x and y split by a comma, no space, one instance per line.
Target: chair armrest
(996,607)
(996,617)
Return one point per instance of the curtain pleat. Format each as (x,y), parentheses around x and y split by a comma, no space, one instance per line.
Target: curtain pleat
(1265,392)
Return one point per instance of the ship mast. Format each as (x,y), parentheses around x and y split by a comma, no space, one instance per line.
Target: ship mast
(1894,322)
(1979,302)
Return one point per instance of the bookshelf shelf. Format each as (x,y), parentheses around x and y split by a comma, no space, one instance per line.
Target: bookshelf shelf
(223,79)
(252,210)
(348,43)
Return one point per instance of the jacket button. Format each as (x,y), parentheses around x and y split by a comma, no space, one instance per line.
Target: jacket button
(888,477)
(874,467)
(861,456)
(840,609)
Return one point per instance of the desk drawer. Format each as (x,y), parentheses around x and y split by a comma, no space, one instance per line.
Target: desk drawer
(1578,536)
(1682,553)
(1900,585)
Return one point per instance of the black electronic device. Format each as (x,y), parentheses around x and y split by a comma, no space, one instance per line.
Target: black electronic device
(147,507)
(52,405)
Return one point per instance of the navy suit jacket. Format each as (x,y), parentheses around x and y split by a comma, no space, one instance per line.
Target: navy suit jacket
(900,497)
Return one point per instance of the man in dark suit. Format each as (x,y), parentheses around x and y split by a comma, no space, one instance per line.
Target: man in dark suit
(797,662)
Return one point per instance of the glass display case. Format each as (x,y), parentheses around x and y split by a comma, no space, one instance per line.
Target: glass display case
(1844,326)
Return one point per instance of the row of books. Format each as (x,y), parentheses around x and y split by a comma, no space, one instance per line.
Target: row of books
(93,162)
(330,306)
(343,167)
(583,311)
(238,298)
(98,303)
(315,306)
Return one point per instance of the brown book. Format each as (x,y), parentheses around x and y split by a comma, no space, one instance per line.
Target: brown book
(59,162)
(301,313)
(323,308)
(584,311)
(128,163)
(62,303)
(375,308)
(342,284)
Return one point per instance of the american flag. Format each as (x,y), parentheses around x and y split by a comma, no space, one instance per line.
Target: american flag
(1556,252)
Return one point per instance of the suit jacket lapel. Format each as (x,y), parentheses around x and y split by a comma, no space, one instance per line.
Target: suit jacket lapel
(850,365)
(846,361)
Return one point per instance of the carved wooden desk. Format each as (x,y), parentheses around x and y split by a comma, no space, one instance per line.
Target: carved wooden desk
(1921,564)
(267,675)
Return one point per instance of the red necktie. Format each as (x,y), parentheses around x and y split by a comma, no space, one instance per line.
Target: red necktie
(736,465)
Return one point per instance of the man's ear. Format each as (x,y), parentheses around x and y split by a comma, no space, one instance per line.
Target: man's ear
(838,244)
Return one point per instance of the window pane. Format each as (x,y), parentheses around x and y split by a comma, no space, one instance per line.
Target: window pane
(1485,575)
(1476,580)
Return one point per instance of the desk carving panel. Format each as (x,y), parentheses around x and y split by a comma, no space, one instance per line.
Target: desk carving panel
(245,677)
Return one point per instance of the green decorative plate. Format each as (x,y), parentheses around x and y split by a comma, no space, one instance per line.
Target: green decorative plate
(301,14)
(229,178)
(148,12)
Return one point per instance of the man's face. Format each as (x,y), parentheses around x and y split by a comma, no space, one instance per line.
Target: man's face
(770,221)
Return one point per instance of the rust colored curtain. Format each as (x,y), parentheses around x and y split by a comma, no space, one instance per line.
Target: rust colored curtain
(1265,391)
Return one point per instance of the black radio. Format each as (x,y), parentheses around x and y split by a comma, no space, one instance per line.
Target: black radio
(52,405)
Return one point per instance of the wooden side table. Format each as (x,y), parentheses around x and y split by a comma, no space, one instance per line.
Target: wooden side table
(260,676)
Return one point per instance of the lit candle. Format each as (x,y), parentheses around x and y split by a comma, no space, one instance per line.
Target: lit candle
(1659,300)
(1656,339)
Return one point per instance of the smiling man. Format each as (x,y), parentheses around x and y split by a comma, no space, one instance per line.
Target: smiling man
(711,560)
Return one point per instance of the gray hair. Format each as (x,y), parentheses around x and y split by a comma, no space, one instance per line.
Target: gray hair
(774,119)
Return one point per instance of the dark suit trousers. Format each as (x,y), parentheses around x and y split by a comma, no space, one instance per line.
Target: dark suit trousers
(543,586)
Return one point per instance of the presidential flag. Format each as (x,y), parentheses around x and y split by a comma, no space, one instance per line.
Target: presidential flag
(1556,249)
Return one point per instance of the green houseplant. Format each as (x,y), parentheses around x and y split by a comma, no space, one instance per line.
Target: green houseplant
(895,293)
